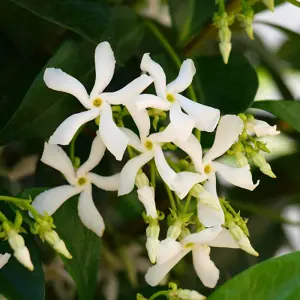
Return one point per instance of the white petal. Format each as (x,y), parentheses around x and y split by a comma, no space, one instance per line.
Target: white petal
(224,240)
(204,267)
(55,157)
(129,92)
(228,131)
(106,183)
(141,119)
(182,122)
(134,140)
(129,171)
(58,80)
(114,139)
(157,273)
(211,214)
(104,67)
(152,101)
(152,246)
(184,181)
(261,128)
(89,214)
(193,148)
(67,129)
(168,249)
(206,117)
(49,201)
(146,196)
(165,171)
(96,154)
(203,237)
(165,136)
(156,71)
(240,177)
(291,212)
(4,259)
(184,78)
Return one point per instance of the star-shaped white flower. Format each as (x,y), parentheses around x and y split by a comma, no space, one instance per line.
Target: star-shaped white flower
(150,147)
(261,128)
(80,182)
(97,103)
(4,259)
(199,243)
(168,97)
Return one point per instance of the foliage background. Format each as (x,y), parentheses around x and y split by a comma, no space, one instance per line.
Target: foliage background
(35,34)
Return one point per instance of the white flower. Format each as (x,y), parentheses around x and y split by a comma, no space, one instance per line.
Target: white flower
(260,128)
(150,147)
(228,131)
(199,244)
(189,295)
(21,252)
(197,115)
(80,181)
(97,103)
(4,259)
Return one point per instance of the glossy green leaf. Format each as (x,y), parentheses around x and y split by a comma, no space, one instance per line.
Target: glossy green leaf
(274,279)
(288,111)
(16,282)
(82,243)
(230,88)
(42,109)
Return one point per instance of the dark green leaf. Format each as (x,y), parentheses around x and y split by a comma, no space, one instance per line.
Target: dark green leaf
(274,279)
(42,109)
(18,283)
(230,88)
(82,243)
(288,111)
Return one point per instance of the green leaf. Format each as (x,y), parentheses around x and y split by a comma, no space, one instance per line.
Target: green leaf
(230,88)
(16,282)
(82,243)
(42,109)
(288,111)
(274,279)
(85,17)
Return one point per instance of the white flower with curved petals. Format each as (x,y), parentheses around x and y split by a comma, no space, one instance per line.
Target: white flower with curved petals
(196,115)
(228,131)
(261,128)
(4,258)
(199,244)
(98,103)
(150,147)
(80,182)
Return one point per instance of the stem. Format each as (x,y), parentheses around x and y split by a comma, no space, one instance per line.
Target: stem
(294,2)
(165,43)
(72,144)
(152,173)
(161,293)
(171,198)
(187,202)
(221,6)
(2,217)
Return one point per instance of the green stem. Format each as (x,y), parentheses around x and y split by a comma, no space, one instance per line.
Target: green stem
(72,144)
(2,217)
(187,202)
(152,173)
(161,293)
(221,6)
(171,198)
(165,43)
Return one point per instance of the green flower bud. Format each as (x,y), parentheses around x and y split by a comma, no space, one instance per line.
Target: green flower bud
(261,163)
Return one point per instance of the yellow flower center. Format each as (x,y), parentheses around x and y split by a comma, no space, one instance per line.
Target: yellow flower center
(207,169)
(170,98)
(97,102)
(82,181)
(149,145)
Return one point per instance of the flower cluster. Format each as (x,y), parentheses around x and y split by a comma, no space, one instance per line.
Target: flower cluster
(212,222)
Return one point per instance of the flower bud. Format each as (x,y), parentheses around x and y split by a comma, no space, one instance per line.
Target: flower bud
(141,180)
(261,163)
(174,230)
(56,243)
(140,297)
(152,247)
(21,252)
(241,238)
(4,259)
(261,128)
(241,159)
(189,295)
